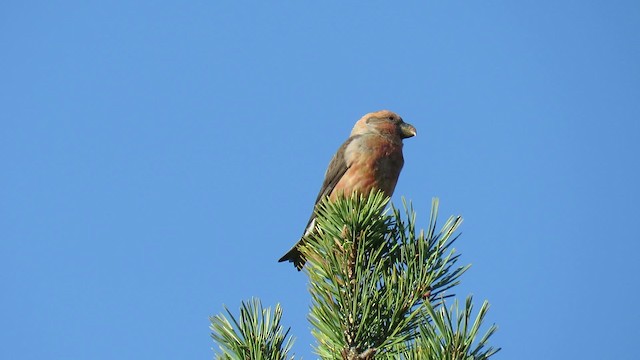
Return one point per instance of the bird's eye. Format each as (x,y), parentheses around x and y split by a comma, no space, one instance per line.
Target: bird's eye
(391,118)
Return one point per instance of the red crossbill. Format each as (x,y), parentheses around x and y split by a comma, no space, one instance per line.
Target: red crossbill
(371,158)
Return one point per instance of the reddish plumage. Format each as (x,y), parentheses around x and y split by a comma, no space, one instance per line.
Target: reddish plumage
(371,158)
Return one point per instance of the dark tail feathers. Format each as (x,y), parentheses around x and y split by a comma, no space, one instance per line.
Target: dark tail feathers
(295,256)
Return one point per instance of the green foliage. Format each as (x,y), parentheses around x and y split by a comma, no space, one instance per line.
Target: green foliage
(450,335)
(372,277)
(257,335)
(378,291)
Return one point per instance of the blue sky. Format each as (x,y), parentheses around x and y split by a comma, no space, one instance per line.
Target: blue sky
(157,159)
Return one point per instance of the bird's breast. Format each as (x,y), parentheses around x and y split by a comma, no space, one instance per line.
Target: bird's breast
(373,163)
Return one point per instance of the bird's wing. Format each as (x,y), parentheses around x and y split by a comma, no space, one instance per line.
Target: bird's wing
(337,167)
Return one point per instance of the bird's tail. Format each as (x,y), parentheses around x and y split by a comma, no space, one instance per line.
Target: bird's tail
(295,256)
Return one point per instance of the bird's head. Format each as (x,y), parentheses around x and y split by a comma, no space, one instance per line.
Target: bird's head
(384,122)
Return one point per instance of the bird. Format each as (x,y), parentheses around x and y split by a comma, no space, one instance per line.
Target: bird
(370,159)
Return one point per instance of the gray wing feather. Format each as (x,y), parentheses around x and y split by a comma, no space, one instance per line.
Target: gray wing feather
(337,167)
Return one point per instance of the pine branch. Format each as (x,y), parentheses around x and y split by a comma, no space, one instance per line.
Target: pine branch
(450,334)
(371,276)
(378,289)
(257,335)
